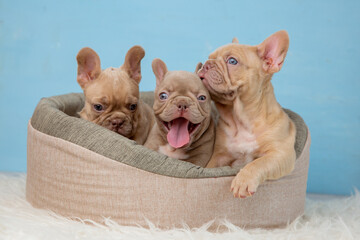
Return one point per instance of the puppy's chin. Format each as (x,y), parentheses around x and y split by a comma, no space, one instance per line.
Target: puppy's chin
(219,92)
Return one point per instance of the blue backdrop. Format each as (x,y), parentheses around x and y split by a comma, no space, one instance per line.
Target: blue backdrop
(320,79)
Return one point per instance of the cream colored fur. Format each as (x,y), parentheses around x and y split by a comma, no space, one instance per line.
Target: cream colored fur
(253,130)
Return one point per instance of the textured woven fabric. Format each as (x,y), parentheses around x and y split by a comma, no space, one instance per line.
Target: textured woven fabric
(75,182)
(57,116)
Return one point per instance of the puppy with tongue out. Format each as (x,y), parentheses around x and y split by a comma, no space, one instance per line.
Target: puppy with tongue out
(184,127)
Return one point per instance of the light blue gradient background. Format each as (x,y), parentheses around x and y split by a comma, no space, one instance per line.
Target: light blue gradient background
(320,78)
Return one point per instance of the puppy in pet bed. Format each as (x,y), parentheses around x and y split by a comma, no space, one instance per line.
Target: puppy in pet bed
(252,129)
(184,127)
(112,95)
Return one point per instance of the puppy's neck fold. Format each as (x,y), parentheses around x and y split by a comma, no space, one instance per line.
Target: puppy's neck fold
(252,106)
(234,116)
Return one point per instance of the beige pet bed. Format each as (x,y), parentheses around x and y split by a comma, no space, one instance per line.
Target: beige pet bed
(81,170)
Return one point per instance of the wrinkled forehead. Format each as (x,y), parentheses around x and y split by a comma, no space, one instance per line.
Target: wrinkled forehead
(182,81)
(119,80)
(243,53)
(114,84)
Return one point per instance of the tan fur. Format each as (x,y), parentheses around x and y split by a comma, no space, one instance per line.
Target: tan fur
(252,130)
(182,88)
(115,89)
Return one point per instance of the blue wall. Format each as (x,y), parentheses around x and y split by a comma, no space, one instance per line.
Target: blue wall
(320,79)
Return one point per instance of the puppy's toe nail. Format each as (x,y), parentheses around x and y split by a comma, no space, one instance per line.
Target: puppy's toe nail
(251,193)
(241,196)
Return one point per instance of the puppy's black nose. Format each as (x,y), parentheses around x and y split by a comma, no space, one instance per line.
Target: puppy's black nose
(117,122)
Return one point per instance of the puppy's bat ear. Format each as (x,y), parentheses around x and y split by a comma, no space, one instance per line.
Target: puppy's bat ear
(89,66)
(273,51)
(159,69)
(198,67)
(235,40)
(132,64)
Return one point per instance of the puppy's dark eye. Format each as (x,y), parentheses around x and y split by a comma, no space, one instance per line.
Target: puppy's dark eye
(132,107)
(201,98)
(98,107)
(163,96)
(232,61)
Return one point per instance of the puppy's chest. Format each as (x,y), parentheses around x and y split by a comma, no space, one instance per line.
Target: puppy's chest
(241,142)
(172,152)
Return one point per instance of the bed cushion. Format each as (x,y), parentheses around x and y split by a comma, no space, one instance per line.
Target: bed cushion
(58,117)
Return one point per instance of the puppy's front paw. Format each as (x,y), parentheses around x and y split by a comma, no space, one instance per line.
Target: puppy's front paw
(244,184)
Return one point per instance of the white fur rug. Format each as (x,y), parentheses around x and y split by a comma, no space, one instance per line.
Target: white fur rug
(337,218)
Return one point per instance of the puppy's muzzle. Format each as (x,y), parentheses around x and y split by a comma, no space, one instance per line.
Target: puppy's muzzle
(182,106)
(204,69)
(210,73)
(117,122)
(207,66)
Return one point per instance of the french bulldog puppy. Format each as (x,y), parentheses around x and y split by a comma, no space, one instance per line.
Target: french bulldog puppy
(112,95)
(252,130)
(184,127)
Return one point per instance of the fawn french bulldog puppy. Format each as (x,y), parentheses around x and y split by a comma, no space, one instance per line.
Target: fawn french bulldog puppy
(112,95)
(184,127)
(252,129)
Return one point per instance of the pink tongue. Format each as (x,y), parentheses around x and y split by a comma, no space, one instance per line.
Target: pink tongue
(178,135)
